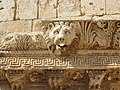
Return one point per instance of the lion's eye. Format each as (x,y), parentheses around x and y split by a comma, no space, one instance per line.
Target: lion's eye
(67,32)
(56,32)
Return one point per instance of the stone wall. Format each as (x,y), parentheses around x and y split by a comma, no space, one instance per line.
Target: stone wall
(26,15)
(33,61)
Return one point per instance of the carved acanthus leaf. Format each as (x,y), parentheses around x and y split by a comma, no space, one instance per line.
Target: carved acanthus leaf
(23,41)
(66,37)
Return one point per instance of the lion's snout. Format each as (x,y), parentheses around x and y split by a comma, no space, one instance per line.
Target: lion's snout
(60,40)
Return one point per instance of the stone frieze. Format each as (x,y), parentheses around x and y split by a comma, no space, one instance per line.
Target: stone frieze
(66,37)
(69,55)
(69,62)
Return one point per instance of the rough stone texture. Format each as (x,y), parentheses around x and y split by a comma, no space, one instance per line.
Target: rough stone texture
(93,7)
(26,9)
(47,8)
(19,26)
(7,8)
(67,8)
(113,6)
(15,26)
(37,24)
(77,51)
(106,17)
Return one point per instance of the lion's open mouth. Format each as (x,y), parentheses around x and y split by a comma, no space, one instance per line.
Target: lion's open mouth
(62,46)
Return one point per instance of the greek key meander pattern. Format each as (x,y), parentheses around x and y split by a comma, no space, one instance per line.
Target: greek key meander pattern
(76,61)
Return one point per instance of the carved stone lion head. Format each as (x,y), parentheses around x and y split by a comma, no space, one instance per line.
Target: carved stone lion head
(62,36)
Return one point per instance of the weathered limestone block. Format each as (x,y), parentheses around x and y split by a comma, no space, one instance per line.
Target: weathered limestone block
(113,6)
(19,26)
(26,9)
(47,8)
(93,7)
(15,26)
(67,8)
(37,25)
(7,8)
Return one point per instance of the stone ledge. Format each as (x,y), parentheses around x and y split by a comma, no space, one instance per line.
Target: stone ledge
(84,18)
(28,53)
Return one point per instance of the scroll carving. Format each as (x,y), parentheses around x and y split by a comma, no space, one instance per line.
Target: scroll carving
(94,35)
(37,76)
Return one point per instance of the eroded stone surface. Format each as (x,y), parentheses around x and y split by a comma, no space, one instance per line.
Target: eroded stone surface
(82,58)
(13,26)
(37,25)
(67,8)
(23,41)
(93,7)
(26,9)
(47,8)
(113,7)
(62,36)
(106,17)
(7,8)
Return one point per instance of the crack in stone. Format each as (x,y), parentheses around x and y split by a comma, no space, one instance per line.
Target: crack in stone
(15,10)
(38,9)
(57,4)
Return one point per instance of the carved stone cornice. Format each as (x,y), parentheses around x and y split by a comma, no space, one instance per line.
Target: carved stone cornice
(63,54)
(56,79)
(92,79)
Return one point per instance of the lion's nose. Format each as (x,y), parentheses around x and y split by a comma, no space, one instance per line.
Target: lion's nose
(61,39)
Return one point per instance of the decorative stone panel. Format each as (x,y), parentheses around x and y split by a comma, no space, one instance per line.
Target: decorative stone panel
(62,54)
(70,79)
(45,62)
(87,39)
